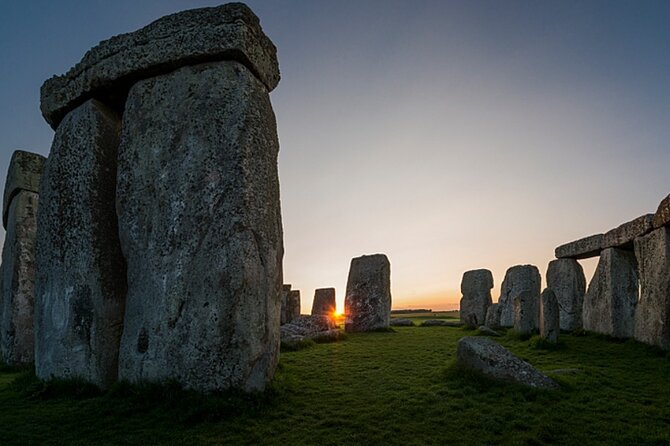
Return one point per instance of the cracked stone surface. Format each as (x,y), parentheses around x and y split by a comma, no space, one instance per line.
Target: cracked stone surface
(200,228)
(367,304)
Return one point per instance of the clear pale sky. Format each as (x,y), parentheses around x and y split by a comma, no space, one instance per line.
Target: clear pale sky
(449,135)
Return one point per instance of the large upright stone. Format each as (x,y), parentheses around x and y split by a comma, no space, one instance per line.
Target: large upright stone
(652,315)
(81,277)
(24,173)
(549,316)
(228,32)
(324,302)
(517,279)
(367,304)
(581,249)
(609,304)
(200,227)
(294,304)
(565,277)
(476,290)
(493,316)
(285,310)
(18,280)
(525,306)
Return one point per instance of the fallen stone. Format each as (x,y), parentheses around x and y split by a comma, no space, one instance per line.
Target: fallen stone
(200,228)
(400,322)
(294,304)
(623,236)
(652,315)
(80,282)
(565,277)
(662,216)
(517,279)
(493,360)
(581,249)
(17,277)
(493,316)
(230,32)
(476,290)
(24,173)
(525,307)
(285,312)
(324,301)
(367,304)
(306,327)
(439,323)
(549,316)
(609,304)
(486,331)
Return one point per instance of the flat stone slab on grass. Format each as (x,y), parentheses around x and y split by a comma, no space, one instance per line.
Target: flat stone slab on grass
(584,248)
(402,323)
(439,323)
(623,235)
(493,360)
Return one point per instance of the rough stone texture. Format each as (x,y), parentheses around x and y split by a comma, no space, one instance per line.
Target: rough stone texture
(652,315)
(566,279)
(623,235)
(439,323)
(307,327)
(662,215)
(476,290)
(517,279)
(80,272)
(200,227)
(493,316)
(367,304)
(549,316)
(285,311)
(609,304)
(24,173)
(486,331)
(493,360)
(581,249)
(227,32)
(17,277)
(324,301)
(294,304)
(401,322)
(525,309)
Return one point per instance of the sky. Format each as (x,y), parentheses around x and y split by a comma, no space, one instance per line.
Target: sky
(449,135)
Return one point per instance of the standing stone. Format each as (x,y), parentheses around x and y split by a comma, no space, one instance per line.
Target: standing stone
(294,304)
(200,227)
(549,316)
(324,302)
(517,279)
(367,304)
(652,315)
(609,304)
(285,305)
(493,316)
(476,290)
(81,277)
(565,277)
(17,273)
(525,306)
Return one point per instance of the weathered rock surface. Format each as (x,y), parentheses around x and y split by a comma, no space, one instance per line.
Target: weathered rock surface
(662,215)
(227,32)
(17,278)
(581,249)
(549,316)
(623,235)
(80,282)
(652,315)
(285,311)
(307,327)
(476,290)
(525,308)
(565,277)
(493,360)
(200,228)
(324,301)
(493,316)
(401,322)
(24,173)
(609,304)
(294,304)
(486,331)
(517,279)
(367,304)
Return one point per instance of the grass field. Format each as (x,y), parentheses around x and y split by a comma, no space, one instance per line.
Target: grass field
(394,388)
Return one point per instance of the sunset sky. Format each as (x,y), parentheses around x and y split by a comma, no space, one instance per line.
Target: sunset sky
(449,135)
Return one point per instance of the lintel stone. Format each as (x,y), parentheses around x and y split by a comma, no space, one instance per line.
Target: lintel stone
(581,249)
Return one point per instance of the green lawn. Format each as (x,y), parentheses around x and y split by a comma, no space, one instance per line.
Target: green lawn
(376,388)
